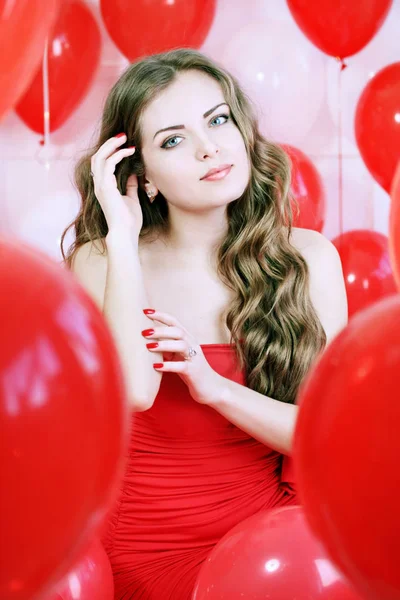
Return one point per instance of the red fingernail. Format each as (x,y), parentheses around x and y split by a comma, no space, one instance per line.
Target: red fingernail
(158,365)
(152,345)
(119,134)
(148,311)
(147,332)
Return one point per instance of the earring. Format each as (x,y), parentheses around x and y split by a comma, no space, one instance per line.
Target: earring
(150,195)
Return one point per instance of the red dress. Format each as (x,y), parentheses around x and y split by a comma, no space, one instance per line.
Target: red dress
(191,476)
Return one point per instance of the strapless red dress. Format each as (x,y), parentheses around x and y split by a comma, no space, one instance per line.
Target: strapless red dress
(191,476)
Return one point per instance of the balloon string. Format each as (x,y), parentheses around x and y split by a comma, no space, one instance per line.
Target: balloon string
(340,150)
(46,95)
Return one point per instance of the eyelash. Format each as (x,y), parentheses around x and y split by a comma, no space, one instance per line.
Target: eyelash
(164,144)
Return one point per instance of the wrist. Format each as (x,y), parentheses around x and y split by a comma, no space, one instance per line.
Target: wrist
(122,236)
(220,393)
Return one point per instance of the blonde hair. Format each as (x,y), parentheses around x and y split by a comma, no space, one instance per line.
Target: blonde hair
(273,324)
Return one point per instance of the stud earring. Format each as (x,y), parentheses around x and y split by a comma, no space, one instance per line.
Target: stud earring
(150,195)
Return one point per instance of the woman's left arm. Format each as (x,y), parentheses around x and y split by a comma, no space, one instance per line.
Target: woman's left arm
(270,421)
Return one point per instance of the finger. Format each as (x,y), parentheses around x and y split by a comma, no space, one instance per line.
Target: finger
(111,163)
(132,186)
(164,333)
(172,367)
(164,318)
(169,346)
(106,150)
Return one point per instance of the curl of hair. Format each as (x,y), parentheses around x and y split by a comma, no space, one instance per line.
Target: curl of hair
(273,324)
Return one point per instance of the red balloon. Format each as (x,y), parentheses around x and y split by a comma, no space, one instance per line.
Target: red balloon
(24,26)
(73,57)
(63,421)
(347,448)
(308,190)
(90,579)
(151,26)
(366,267)
(274,555)
(377,124)
(394,228)
(339,28)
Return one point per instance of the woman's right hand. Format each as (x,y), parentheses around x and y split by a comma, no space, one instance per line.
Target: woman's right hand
(120,211)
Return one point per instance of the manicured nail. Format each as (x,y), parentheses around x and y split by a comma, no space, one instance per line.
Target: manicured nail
(147,332)
(158,365)
(152,345)
(148,311)
(120,135)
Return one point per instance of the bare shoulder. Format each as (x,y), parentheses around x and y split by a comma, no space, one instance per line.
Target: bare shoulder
(310,242)
(327,285)
(90,267)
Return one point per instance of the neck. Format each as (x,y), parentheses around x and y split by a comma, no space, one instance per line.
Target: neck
(191,235)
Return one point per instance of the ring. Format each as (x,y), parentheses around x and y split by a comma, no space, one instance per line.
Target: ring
(91,173)
(192,352)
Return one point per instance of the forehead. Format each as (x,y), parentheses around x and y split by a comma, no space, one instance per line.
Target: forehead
(186,99)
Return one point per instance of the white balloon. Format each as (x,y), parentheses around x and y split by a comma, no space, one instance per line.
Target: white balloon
(382,50)
(282,73)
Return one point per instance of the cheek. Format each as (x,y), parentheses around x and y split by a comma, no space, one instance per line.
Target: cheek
(173,176)
(239,153)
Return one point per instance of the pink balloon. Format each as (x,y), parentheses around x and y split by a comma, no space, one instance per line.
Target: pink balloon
(90,579)
(282,73)
(274,555)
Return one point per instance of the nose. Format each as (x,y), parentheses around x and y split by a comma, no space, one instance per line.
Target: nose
(206,148)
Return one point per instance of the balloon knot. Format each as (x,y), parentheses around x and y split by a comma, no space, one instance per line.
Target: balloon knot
(343,65)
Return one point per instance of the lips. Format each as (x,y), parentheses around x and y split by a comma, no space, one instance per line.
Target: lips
(216,170)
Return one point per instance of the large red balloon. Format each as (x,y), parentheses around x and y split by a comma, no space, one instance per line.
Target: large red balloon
(347,448)
(394,227)
(90,579)
(150,26)
(24,26)
(73,57)
(366,267)
(339,27)
(377,124)
(271,555)
(63,421)
(308,190)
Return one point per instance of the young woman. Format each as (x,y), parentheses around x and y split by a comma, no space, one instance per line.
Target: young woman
(217,305)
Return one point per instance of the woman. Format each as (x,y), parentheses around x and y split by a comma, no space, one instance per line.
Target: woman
(217,305)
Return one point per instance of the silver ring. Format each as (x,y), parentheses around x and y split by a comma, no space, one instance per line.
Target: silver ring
(192,352)
(91,173)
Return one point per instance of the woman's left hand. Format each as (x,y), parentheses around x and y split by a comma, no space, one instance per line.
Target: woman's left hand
(174,341)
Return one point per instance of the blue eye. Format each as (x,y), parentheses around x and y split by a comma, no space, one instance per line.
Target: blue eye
(167,145)
(221,117)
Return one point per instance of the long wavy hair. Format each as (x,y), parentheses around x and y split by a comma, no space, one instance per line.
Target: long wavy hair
(272,322)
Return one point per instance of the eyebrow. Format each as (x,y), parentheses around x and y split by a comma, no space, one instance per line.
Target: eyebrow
(206,114)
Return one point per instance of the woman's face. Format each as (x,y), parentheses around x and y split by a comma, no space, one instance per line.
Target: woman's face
(200,136)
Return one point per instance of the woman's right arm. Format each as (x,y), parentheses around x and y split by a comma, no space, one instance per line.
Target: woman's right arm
(114,280)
